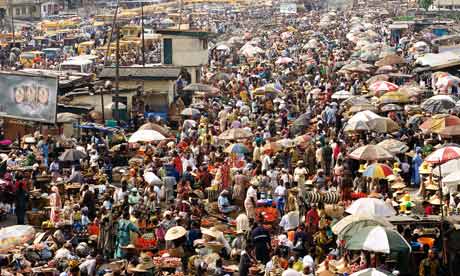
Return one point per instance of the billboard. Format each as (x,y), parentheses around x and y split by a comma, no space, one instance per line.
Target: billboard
(288,8)
(28,97)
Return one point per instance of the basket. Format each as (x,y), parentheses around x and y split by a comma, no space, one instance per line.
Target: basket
(35,218)
(426,241)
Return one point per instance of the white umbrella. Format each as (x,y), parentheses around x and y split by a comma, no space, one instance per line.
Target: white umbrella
(452,178)
(448,167)
(146,135)
(190,112)
(371,207)
(341,95)
(364,116)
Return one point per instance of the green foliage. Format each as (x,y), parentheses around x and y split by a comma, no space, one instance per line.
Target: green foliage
(425,4)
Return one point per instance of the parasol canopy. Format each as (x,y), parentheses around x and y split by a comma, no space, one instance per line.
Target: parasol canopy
(152,178)
(378,239)
(368,206)
(145,135)
(439,122)
(394,97)
(393,146)
(200,87)
(235,134)
(443,155)
(356,126)
(438,104)
(450,131)
(356,100)
(370,152)
(175,232)
(152,126)
(390,108)
(72,155)
(383,86)
(378,170)
(341,95)
(383,125)
(16,235)
(190,112)
(390,60)
(448,167)
(237,148)
(351,224)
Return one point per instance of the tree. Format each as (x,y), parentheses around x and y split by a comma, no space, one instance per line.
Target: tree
(425,4)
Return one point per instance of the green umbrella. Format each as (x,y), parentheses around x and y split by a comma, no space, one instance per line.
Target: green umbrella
(378,239)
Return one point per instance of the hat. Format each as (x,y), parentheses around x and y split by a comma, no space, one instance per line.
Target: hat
(425,168)
(391,177)
(212,232)
(398,185)
(300,162)
(432,187)
(175,233)
(167,213)
(396,167)
(435,201)
(362,168)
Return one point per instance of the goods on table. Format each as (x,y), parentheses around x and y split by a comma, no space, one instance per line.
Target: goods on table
(270,214)
(15,235)
(167,262)
(146,241)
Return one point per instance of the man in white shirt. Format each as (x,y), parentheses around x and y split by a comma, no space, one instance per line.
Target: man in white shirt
(290,221)
(266,162)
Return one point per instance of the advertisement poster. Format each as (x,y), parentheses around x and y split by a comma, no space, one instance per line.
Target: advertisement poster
(28,97)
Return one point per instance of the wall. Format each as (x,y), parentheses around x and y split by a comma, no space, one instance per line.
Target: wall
(187,51)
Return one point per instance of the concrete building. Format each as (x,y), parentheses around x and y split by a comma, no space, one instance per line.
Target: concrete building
(187,49)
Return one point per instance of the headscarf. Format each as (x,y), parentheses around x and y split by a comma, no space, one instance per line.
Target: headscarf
(55,190)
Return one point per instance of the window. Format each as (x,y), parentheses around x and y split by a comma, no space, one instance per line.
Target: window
(44,8)
(205,44)
(24,10)
(18,11)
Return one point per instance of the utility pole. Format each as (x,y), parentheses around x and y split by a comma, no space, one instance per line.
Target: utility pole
(117,72)
(12,21)
(111,34)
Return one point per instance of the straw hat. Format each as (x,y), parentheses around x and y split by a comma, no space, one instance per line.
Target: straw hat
(175,233)
(362,168)
(146,263)
(432,187)
(425,168)
(391,178)
(435,201)
(212,232)
(398,185)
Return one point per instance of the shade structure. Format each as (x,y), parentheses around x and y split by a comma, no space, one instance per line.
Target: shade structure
(67,117)
(370,152)
(302,139)
(385,69)
(383,86)
(439,122)
(381,77)
(378,239)
(378,170)
(267,89)
(237,148)
(363,107)
(394,97)
(394,146)
(372,272)
(443,155)
(271,147)
(190,112)
(447,81)
(200,87)
(348,225)
(341,95)
(363,116)
(145,135)
(390,60)
(391,107)
(447,168)
(286,143)
(356,126)
(235,134)
(438,104)
(383,125)
(72,155)
(355,100)
(452,178)
(450,131)
(368,206)
(153,126)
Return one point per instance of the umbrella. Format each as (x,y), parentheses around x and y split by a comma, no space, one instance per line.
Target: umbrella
(447,81)
(303,119)
(391,107)
(302,139)
(383,125)
(235,134)
(269,88)
(354,223)
(356,100)
(237,148)
(438,104)
(341,95)
(378,239)
(372,272)
(447,168)
(370,152)
(221,76)
(394,146)
(439,122)
(378,170)
(152,178)
(384,69)
(284,60)
(152,126)
(443,155)
(394,97)
(364,116)
(368,206)
(145,135)
(450,131)
(16,235)
(190,112)
(271,147)
(72,155)
(363,107)
(390,60)
(383,86)
(200,87)
(175,232)
(452,178)
(286,143)
(376,78)
(356,126)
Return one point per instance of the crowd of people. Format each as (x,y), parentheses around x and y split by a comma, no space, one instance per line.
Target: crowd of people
(257,182)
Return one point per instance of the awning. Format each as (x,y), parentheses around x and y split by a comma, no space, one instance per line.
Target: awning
(398,26)
(441,60)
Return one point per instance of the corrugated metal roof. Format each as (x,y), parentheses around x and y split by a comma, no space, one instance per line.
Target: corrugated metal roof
(141,72)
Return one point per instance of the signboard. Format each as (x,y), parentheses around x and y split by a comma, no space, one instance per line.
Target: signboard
(288,8)
(28,97)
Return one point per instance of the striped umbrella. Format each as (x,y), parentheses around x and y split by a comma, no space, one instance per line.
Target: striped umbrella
(378,170)
(378,239)
(443,155)
(383,86)
(237,148)
(370,152)
(439,122)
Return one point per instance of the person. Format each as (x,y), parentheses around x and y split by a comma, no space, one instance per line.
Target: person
(291,271)
(124,229)
(246,260)
(21,199)
(55,204)
(262,243)
(429,266)
(106,237)
(250,201)
(224,204)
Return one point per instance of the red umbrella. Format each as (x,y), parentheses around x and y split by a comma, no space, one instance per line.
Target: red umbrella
(443,155)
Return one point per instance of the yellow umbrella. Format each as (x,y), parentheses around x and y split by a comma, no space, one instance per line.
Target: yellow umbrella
(395,97)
